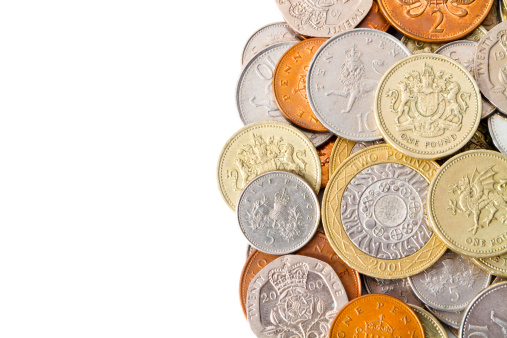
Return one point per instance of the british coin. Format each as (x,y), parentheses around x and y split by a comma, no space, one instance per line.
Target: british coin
(254,94)
(376,316)
(384,233)
(450,318)
(435,21)
(496,265)
(318,248)
(427,106)
(343,148)
(249,250)
(499,280)
(450,284)
(497,125)
(463,52)
(267,36)
(490,67)
(278,212)
(502,10)
(466,206)
(261,147)
(289,84)
(342,79)
(374,19)
(493,17)
(398,288)
(323,18)
(294,295)
(431,325)
(325,154)
(487,314)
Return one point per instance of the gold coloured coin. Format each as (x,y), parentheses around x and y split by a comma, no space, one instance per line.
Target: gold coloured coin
(432,327)
(341,151)
(261,147)
(496,265)
(419,249)
(467,203)
(427,106)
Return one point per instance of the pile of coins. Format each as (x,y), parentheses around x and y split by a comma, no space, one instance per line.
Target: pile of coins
(370,179)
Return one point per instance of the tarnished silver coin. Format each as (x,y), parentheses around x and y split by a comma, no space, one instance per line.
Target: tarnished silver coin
(323,18)
(278,212)
(383,211)
(342,79)
(398,288)
(451,283)
(491,66)
(254,93)
(487,314)
(497,125)
(294,296)
(451,318)
(463,52)
(267,36)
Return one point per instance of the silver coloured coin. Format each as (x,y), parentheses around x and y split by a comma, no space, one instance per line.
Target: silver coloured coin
(463,52)
(323,18)
(451,318)
(383,211)
(487,314)
(361,145)
(398,288)
(267,36)
(278,212)
(294,296)
(493,17)
(497,125)
(249,250)
(254,94)
(451,283)
(491,67)
(342,78)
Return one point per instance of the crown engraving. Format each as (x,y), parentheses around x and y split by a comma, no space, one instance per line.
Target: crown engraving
(377,328)
(289,276)
(353,53)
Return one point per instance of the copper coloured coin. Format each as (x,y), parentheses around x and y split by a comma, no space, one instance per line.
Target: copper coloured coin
(289,84)
(435,20)
(318,248)
(375,19)
(324,152)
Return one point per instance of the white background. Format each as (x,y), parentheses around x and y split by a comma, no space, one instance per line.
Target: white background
(113,114)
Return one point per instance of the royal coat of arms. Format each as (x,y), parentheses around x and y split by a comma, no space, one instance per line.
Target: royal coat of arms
(428,103)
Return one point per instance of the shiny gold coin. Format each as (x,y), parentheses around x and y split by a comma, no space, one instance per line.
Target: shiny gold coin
(373,213)
(427,106)
(496,265)
(341,151)
(373,316)
(467,203)
(261,147)
(432,327)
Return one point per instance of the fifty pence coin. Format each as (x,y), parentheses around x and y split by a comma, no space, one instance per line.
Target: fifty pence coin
(450,318)
(450,284)
(398,288)
(323,18)
(342,79)
(431,325)
(294,296)
(497,125)
(254,93)
(278,212)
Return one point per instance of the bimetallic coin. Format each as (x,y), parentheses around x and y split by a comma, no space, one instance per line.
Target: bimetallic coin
(435,21)
(254,94)
(294,294)
(487,314)
(342,79)
(386,250)
(278,212)
(376,316)
(318,248)
(496,265)
(431,325)
(427,106)
(490,66)
(267,36)
(466,204)
(343,148)
(262,147)
(463,52)
(450,284)
(497,125)
(375,19)
(450,318)
(324,154)
(323,18)
(398,288)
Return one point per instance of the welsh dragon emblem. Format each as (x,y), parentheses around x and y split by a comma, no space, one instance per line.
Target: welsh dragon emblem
(481,196)
(428,103)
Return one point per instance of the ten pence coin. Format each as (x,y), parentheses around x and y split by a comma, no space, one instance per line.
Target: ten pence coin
(373,213)
(261,147)
(289,84)
(435,20)
(398,288)
(497,125)
(496,265)
(431,325)
(318,248)
(376,316)
(466,203)
(427,106)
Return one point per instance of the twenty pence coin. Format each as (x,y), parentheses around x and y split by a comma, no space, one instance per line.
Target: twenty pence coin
(396,261)
(431,325)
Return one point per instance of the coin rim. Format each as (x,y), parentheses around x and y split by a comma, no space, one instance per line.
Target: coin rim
(490,268)
(335,154)
(434,321)
(493,132)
